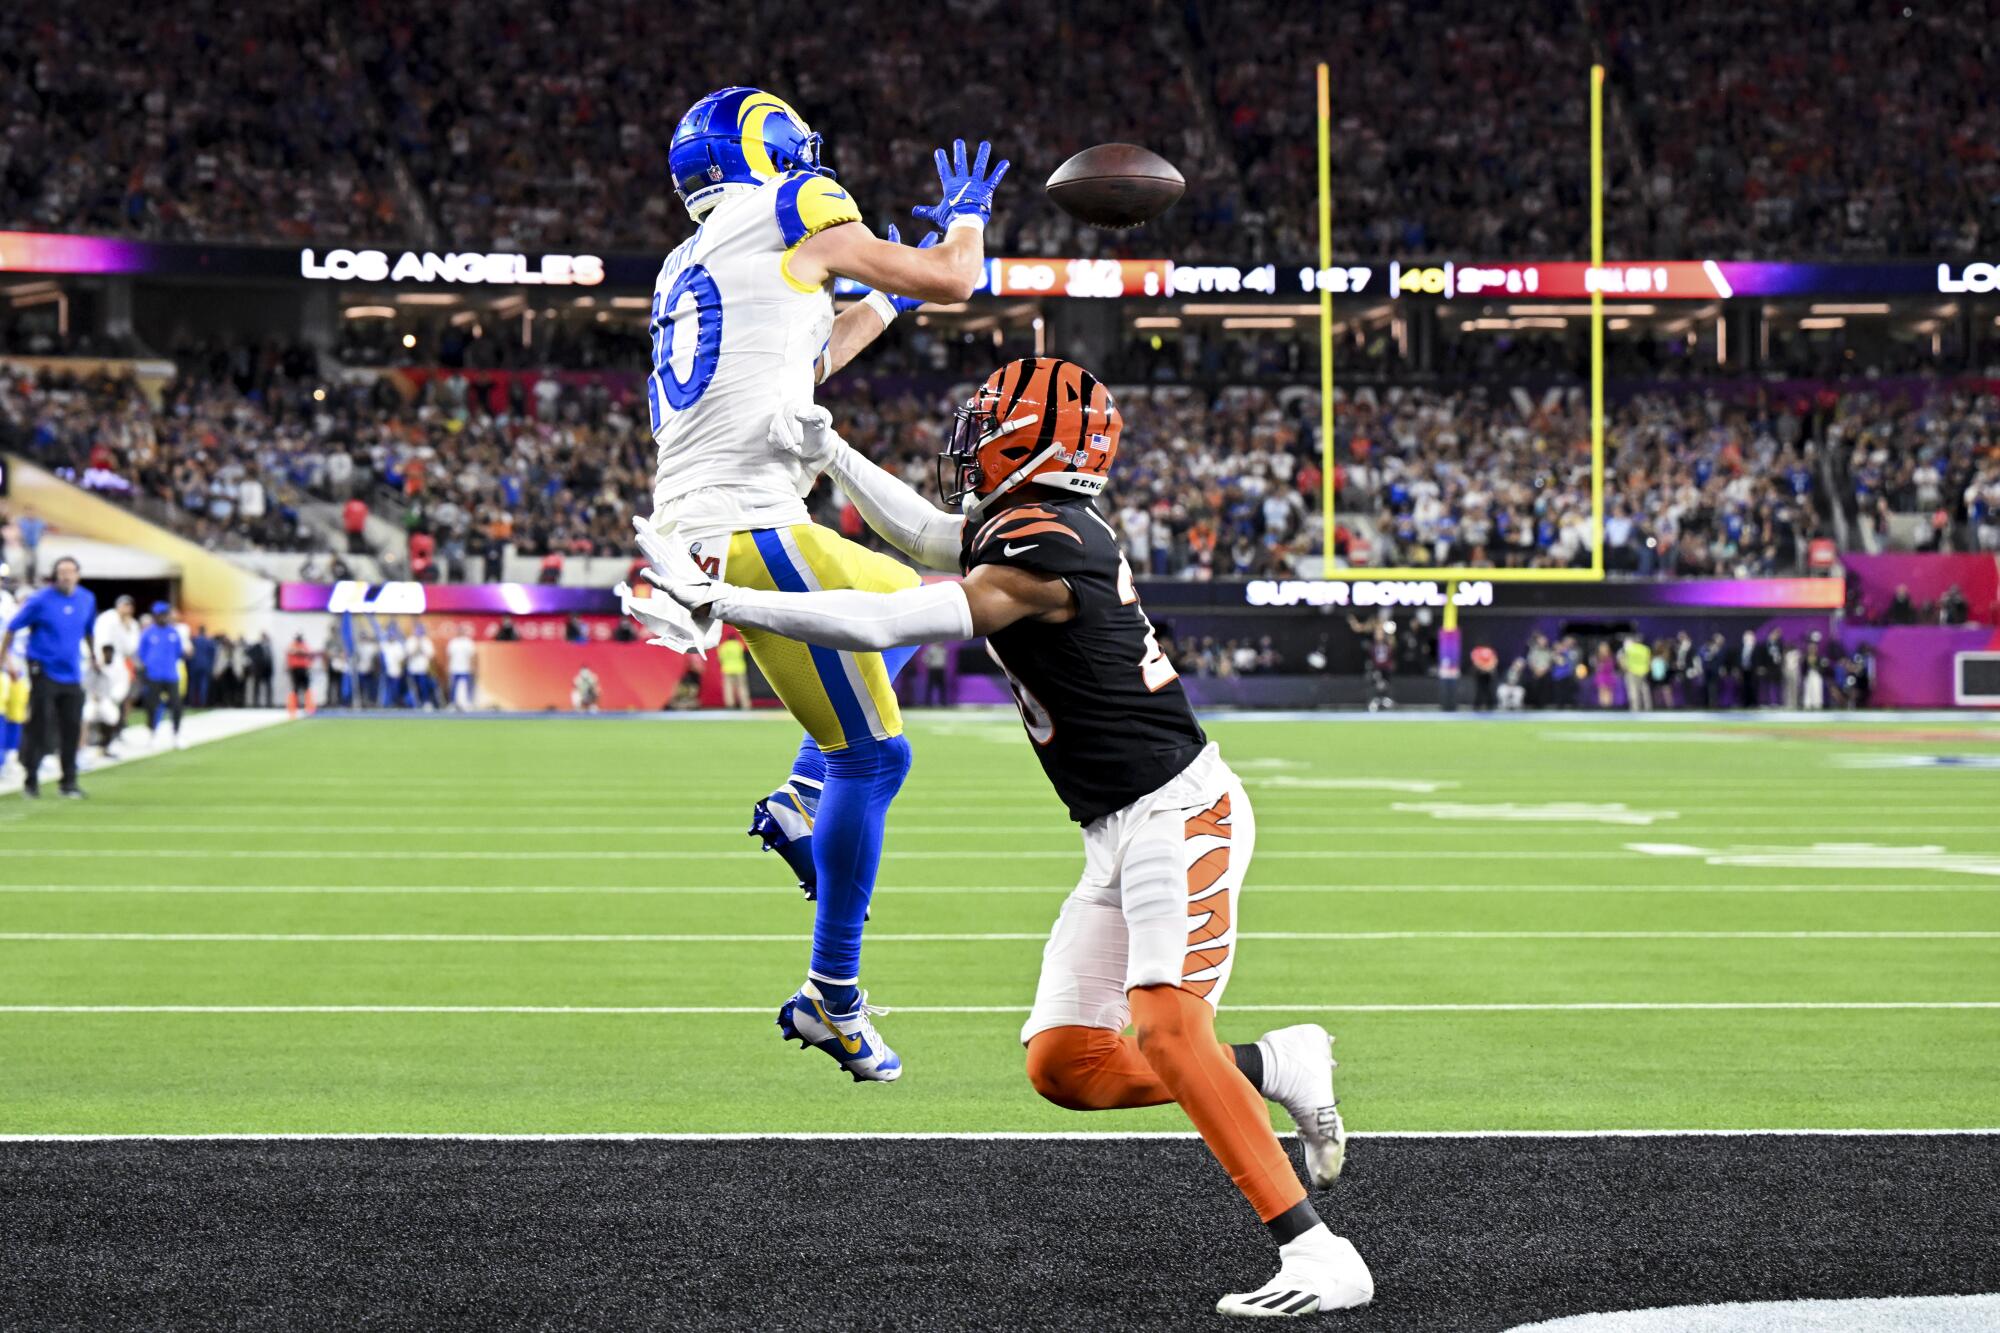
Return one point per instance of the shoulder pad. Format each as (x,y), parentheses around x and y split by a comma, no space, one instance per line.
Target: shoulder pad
(1044,539)
(809,204)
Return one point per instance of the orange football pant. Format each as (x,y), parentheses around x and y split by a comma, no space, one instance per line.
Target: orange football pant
(1174,1057)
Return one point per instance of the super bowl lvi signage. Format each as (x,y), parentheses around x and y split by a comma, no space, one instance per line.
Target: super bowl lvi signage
(492,269)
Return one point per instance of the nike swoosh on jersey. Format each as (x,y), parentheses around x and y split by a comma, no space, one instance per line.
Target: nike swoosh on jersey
(1016,550)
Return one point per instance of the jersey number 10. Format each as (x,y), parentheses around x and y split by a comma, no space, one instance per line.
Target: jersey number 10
(664,385)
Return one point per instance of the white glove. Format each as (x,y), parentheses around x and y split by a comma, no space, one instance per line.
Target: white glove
(807,434)
(665,620)
(679,623)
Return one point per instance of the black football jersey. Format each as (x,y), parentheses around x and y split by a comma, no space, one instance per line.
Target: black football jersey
(1101,703)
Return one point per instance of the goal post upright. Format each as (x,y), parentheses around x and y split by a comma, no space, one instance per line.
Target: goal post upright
(1597,321)
(1325,116)
(1592,573)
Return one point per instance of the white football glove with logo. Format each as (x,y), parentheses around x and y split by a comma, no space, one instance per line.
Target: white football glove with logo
(677,620)
(903,518)
(807,434)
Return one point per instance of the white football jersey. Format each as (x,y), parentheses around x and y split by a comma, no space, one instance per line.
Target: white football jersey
(735,338)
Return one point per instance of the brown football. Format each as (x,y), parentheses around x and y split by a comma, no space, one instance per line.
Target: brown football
(1116,185)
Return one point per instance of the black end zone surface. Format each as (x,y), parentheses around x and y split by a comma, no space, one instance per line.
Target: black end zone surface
(1463,1234)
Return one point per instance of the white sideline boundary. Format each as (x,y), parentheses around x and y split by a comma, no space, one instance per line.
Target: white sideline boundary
(764,1010)
(957,1136)
(198,729)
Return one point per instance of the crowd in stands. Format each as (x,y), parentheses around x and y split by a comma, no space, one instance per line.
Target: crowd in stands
(547,129)
(1211,483)
(1938,458)
(1784,129)
(1642,674)
(211,121)
(1840,127)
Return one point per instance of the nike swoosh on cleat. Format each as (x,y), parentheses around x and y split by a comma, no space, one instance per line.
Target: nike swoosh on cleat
(1016,550)
(852,1045)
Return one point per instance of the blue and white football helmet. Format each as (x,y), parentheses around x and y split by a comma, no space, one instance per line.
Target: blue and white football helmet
(734,140)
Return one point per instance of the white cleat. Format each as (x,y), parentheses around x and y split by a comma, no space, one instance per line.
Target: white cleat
(1298,1075)
(1319,1272)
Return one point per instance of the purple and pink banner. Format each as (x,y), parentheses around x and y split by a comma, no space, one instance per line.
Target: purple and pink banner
(45,252)
(1927,578)
(1916,666)
(543,677)
(417,599)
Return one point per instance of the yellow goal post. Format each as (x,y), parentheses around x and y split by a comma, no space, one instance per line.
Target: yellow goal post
(1594,573)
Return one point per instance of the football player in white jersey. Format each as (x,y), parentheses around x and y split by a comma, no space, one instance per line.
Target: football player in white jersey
(743,328)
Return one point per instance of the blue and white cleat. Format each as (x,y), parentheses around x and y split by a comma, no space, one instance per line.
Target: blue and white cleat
(850,1038)
(784,820)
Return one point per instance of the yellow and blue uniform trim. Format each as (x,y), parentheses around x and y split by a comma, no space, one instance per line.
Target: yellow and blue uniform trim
(807,205)
(838,697)
(14,699)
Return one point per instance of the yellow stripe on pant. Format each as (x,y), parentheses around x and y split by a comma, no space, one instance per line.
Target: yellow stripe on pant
(14,699)
(837,697)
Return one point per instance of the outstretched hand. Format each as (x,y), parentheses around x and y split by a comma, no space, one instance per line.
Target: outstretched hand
(967,191)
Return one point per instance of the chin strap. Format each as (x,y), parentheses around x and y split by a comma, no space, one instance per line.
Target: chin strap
(1015,479)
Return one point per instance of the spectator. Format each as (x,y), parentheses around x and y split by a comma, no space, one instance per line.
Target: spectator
(1635,659)
(57,623)
(161,655)
(733,656)
(584,691)
(354,522)
(298,668)
(263,666)
(459,655)
(201,667)
(107,688)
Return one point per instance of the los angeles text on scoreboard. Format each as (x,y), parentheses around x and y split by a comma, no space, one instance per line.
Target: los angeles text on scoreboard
(1084,277)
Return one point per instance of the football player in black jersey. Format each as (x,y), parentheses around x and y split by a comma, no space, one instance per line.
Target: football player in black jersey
(1148,936)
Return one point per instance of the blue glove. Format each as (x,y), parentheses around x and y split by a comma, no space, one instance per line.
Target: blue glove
(967,193)
(905,304)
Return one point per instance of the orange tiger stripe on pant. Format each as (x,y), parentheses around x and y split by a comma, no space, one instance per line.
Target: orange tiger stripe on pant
(1208,906)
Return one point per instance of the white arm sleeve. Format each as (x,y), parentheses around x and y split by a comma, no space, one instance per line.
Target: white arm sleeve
(858,622)
(907,521)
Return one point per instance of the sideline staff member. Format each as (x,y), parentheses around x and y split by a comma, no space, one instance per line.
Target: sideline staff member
(58,621)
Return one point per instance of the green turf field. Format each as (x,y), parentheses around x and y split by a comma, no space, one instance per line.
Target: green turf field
(1480,972)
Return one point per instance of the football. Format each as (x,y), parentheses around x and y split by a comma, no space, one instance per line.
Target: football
(1116,185)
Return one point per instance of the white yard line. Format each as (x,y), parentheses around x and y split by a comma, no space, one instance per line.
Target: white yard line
(1011,853)
(991,937)
(1691,825)
(1053,891)
(567,1010)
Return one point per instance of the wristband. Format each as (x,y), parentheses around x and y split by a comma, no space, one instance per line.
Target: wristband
(884,308)
(965,220)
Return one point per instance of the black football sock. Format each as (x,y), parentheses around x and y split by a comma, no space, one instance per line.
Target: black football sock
(1294,1222)
(1250,1061)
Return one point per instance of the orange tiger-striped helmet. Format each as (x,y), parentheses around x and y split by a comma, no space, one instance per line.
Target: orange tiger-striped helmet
(1042,420)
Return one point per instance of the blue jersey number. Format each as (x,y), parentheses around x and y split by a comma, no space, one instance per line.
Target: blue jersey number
(681,394)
